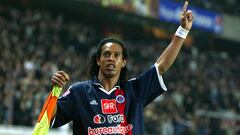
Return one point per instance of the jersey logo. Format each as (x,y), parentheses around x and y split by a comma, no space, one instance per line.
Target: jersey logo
(109,106)
(99,119)
(120,99)
(94,102)
(66,93)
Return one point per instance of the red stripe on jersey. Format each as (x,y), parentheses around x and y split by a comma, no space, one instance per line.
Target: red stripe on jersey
(121,108)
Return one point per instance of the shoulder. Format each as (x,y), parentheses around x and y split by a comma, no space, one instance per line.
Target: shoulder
(143,78)
(130,81)
(80,85)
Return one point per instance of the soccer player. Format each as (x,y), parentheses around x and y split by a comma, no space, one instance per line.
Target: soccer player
(108,103)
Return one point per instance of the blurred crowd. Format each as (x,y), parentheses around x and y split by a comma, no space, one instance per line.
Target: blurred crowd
(35,43)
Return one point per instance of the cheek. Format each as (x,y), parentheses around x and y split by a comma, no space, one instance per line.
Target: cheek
(101,61)
(120,64)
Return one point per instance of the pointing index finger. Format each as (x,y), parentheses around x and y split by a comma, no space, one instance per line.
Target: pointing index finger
(184,9)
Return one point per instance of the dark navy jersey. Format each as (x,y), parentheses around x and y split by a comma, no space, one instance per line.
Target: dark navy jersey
(95,111)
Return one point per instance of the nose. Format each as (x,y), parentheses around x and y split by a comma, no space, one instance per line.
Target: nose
(111,58)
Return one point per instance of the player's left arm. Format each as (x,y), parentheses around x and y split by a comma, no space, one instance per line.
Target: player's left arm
(169,55)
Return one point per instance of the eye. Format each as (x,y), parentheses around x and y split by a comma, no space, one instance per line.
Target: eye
(106,54)
(116,55)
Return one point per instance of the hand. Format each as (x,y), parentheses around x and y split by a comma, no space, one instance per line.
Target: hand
(186,17)
(60,78)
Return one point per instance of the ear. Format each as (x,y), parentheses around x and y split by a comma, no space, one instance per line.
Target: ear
(98,63)
(124,63)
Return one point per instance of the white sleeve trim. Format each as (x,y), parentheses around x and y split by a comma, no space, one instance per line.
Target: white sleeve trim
(160,79)
(53,121)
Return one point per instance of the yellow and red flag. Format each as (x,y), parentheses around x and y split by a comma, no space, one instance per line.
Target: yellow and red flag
(45,117)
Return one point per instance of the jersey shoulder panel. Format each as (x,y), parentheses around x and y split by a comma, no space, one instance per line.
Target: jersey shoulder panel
(80,85)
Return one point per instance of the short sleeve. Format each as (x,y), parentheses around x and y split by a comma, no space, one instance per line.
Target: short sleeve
(147,86)
(64,108)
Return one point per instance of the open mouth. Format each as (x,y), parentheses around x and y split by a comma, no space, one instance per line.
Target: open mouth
(111,66)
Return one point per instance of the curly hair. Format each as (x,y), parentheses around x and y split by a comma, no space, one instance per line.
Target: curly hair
(94,68)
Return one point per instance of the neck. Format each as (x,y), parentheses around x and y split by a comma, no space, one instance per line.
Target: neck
(108,83)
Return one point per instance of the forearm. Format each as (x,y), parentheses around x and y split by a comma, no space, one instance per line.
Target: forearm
(169,55)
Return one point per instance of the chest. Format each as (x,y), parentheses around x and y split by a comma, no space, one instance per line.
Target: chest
(97,108)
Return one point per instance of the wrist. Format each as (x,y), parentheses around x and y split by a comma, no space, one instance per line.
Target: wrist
(181,32)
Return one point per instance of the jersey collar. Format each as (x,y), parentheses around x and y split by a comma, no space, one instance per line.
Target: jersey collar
(96,82)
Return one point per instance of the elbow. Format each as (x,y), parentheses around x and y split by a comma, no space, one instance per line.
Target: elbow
(162,68)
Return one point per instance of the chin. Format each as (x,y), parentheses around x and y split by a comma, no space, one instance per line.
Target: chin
(110,74)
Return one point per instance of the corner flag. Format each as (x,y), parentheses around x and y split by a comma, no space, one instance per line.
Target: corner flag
(45,117)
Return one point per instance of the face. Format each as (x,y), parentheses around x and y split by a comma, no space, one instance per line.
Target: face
(111,60)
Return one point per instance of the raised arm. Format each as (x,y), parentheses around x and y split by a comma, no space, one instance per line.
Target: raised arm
(169,55)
